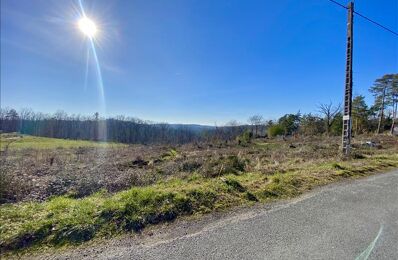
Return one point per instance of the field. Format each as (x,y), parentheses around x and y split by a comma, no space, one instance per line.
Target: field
(38,143)
(59,192)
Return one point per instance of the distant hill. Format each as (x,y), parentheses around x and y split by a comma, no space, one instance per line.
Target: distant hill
(193,127)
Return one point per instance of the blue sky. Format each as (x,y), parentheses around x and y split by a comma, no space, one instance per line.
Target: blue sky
(191,61)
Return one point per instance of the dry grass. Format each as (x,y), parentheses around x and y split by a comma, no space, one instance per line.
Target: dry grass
(101,192)
(77,171)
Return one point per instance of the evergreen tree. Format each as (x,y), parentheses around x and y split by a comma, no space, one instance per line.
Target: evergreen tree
(360,114)
(381,90)
(393,99)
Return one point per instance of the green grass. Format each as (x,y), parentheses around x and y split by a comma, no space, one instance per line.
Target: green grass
(34,142)
(64,221)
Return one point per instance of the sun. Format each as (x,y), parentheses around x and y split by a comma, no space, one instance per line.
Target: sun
(87,26)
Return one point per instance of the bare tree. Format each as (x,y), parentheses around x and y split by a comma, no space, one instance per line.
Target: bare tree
(255,121)
(163,129)
(232,123)
(329,113)
(233,128)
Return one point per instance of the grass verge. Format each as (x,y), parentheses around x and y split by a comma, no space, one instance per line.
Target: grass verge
(64,221)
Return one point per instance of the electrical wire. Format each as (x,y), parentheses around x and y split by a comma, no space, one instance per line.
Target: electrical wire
(376,23)
(367,18)
(337,3)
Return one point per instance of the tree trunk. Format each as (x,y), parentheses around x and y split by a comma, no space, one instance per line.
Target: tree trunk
(394,115)
(381,111)
(380,120)
(356,126)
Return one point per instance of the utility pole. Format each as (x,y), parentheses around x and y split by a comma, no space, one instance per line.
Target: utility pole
(348,84)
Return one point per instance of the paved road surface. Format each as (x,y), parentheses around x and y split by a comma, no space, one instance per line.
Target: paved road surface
(354,220)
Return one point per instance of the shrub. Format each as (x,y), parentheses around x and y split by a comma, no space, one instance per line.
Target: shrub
(234,184)
(357,155)
(250,196)
(190,166)
(231,164)
(275,130)
(245,137)
(337,166)
(234,164)
(170,155)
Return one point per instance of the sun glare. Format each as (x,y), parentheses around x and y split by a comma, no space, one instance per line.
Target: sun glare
(87,26)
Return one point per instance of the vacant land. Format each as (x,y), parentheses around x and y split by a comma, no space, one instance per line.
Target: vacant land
(57,192)
(19,142)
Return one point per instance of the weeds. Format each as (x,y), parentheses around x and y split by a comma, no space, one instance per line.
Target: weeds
(82,194)
(224,165)
(235,185)
(190,166)
(170,155)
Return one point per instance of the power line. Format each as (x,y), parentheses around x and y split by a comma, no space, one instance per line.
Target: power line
(376,23)
(337,3)
(366,18)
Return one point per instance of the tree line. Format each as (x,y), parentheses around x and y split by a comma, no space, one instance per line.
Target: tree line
(379,117)
(119,129)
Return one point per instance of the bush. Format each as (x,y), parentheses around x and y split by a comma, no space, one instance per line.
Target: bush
(234,165)
(190,166)
(250,196)
(170,155)
(275,130)
(231,164)
(235,185)
(245,137)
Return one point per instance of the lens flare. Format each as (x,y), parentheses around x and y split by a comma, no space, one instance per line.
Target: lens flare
(87,26)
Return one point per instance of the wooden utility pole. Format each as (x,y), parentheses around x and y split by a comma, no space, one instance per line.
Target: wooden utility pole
(348,84)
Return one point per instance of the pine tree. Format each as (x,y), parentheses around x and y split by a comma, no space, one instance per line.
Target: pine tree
(380,90)
(393,97)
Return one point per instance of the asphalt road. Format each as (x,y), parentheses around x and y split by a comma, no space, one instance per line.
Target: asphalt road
(353,220)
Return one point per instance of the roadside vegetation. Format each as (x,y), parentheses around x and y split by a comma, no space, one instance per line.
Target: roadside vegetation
(108,191)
